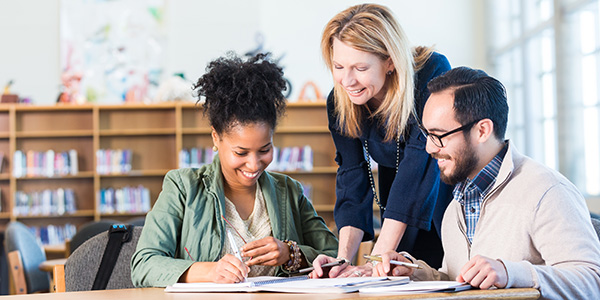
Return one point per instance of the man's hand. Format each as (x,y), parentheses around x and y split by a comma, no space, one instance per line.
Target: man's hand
(483,272)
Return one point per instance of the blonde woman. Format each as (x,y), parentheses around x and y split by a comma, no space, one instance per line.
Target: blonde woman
(374,109)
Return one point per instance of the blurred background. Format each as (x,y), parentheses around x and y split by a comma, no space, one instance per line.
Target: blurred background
(546,52)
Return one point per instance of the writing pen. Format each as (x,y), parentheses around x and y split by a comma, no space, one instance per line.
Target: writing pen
(236,250)
(393,262)
(327,265)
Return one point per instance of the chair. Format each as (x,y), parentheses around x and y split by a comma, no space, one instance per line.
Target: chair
(596,224)
(364,248)
(87,231)
(137,221)
(24,258)
(80,270)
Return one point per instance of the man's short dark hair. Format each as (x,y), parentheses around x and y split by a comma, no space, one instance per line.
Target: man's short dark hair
(476,96)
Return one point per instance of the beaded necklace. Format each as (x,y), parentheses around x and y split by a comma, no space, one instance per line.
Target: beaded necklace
(368,158)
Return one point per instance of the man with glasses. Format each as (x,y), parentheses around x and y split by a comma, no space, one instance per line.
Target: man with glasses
(513,222)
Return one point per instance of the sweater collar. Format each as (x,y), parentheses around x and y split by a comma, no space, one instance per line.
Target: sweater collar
(507,167)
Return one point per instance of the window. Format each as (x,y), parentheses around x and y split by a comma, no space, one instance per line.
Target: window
(546,52)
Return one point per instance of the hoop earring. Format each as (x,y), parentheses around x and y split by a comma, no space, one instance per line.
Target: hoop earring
(215,149)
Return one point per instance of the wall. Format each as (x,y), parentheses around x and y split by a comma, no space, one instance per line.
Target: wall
(199,31)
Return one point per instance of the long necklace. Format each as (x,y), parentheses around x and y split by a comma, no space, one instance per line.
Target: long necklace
(368,158)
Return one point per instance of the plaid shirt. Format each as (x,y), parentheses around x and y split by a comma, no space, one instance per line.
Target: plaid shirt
(470,193)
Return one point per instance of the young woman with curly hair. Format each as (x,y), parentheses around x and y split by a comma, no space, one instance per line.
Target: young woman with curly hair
(266,213)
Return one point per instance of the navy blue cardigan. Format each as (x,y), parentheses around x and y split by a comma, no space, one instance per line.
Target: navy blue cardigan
(414,190)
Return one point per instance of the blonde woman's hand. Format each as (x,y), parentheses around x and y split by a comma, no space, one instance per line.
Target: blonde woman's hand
(384,268)
(357,271)
(320,272)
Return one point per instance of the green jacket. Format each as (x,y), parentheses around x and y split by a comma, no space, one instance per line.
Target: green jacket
(187,214)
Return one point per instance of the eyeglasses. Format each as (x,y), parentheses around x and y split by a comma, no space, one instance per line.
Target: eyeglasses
(437,139)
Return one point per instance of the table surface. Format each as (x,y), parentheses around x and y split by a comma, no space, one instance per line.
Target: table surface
(48,265)
(158,293)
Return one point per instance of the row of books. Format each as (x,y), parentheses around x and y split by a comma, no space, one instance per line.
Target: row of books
(124,200)
(45,163)
(292,159)
(53,234)
(45,203)
(195,157)
(113,161)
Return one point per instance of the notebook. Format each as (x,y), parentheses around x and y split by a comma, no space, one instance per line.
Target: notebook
(298,284)
(414,287)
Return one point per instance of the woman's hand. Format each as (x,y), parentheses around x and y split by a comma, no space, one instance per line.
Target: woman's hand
(385,269)
(319,272)
(267,251)
(228,269)
(357,271)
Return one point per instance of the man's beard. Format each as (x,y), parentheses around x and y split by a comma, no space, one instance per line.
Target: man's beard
(465,162)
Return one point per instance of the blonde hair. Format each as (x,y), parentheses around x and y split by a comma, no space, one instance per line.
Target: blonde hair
(372,28)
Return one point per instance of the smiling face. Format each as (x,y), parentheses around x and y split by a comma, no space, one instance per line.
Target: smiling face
(245,152)
(458,159)
(361,74)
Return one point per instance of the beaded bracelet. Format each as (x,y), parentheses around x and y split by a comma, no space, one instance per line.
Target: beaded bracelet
(295,257)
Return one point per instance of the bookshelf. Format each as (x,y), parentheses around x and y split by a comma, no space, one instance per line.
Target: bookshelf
(155,134)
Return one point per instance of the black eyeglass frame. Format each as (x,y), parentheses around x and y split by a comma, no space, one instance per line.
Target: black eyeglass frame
(437,139)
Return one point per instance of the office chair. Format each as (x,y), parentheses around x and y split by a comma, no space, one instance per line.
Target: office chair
(87,231)
(79,272)
(596,223)
(24,258)
(137,221)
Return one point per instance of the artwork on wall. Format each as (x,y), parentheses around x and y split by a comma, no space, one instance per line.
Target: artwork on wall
(111,51)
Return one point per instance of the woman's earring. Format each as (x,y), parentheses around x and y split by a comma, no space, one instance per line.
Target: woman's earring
(215,149)
(389,73)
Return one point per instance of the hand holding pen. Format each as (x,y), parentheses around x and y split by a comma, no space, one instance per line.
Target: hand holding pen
(319,270)
(401,265)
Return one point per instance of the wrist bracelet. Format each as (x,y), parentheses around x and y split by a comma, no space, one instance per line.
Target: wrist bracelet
(347,260)
(295,257)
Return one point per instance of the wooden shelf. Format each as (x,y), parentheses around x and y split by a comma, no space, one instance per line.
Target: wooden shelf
(50,134)
(83,175)
(79,213)
(324,207)
(132,215)
(140,132)
(315,170)
(196,131)
(155,133)
(304,129)
(138,173)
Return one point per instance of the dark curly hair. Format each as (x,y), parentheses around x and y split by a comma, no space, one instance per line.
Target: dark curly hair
(241,92)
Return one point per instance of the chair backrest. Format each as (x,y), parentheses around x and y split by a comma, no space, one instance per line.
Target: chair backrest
(596,223)
(137,221)
(81,267)
(364,248)
(87,231)
(19,238)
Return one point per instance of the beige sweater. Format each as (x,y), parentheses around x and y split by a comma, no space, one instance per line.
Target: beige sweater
(537,223)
